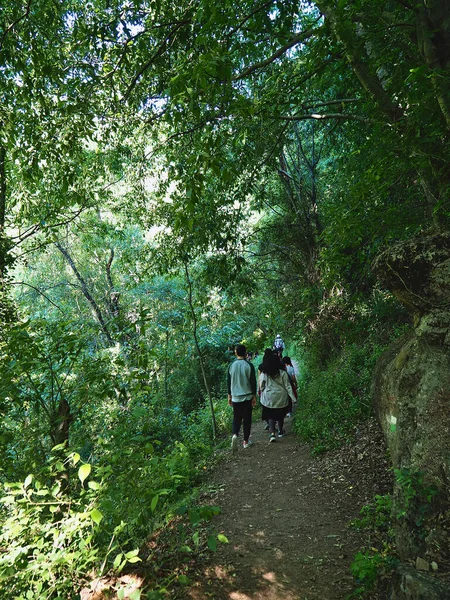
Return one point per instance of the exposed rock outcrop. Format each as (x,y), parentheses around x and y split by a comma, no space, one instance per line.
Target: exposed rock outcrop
(411,393)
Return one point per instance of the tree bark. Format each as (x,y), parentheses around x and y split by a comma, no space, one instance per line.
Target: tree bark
(3,249)
(435,51)
(358,59)
(86,292)
(114,296)
(199,352)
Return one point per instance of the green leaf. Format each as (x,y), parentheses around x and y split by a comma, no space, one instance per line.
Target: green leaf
(96,516)
(132,553)
(212,543)
(154,502)
(117,560)
(83,472)
(75,458)
(121,594)
(183,579)
(222,538)
(93,485)
(135,595)
(27,481)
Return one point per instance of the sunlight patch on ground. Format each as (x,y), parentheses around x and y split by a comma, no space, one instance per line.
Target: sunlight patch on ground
(103,588)
(270,577)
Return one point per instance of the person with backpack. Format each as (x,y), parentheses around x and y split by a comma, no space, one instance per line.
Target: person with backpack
(276,391)
(278,345)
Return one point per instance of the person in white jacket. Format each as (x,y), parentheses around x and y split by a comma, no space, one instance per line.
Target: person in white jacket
(275,393)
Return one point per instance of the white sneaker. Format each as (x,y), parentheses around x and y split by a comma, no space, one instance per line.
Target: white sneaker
(247,444)
(234,443)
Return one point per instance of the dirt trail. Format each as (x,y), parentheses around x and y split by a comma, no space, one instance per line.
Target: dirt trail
(286,515)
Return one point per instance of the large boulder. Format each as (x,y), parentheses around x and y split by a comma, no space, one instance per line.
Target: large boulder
(411,394)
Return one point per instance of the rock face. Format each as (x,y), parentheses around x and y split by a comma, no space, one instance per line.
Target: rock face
(411,393)
(408,584)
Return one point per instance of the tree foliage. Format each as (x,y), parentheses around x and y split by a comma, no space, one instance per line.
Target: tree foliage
(179,177)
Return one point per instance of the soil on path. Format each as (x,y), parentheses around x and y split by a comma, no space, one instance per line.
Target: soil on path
(286,515)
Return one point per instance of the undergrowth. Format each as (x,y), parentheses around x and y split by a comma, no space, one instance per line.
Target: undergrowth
(67,523)
(372,566)
(333,399)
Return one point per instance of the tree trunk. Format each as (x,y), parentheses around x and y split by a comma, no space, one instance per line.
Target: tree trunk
(86,292)
(3,248)
(114,296)
(199,352)
(436,52)
(359,61)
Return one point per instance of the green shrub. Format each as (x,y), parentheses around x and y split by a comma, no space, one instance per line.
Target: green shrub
(49,534)
(332,400)
(371,566)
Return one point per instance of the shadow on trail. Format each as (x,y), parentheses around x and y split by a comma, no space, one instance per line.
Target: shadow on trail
(288,531)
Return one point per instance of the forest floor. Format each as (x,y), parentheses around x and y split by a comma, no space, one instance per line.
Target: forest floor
(287,517)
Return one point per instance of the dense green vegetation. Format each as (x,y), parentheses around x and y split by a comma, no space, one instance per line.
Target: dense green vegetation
(176,178)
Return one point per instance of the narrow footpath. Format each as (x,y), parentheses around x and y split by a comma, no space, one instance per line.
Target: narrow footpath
(286,515)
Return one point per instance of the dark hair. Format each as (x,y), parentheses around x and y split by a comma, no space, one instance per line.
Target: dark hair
(241,350)
(267,352)
(271,366)
(287,360)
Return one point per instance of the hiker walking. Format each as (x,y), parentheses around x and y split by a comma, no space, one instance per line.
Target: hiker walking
(289,367)
(278,345)
(275,393)
(241,395)
(267,352)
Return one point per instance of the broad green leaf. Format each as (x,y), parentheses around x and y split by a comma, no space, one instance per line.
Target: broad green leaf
(94,485)
(83,472)
(75,458)
(212,543)
(183,579)
(96,516)
(222,538)
(27,481)
(117,560)
(154,502)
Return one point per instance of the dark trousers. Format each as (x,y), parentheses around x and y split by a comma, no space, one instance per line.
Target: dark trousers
(272,425)
(242,411)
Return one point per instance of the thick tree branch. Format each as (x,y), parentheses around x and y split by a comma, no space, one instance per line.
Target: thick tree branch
(357,57)
(158,52)
(297,39)
(86,292)
(16,22)
(2,189)
(427,46)
(330,102)
(327,116)
(113,299)
(249,16)
(37,290)
(197,346)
